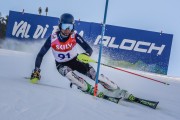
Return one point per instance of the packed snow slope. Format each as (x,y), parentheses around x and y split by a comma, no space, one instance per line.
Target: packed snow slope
(55,100)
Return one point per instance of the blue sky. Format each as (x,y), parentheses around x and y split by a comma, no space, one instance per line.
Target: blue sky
(152,15)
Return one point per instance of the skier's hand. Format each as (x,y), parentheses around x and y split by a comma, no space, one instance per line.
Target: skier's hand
(36,73)
(83,57)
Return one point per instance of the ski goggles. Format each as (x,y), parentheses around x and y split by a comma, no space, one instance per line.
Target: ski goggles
(67,26)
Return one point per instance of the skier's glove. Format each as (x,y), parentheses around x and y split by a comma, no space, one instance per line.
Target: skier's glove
(36,73)
(82,57)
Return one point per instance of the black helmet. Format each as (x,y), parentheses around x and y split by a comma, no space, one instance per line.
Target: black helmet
(67,19)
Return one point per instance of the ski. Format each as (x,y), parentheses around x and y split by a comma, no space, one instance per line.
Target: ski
(111,99)
(149,103)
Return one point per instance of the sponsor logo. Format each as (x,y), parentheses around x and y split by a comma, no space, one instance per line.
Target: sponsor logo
(131,45)
(23,28)
(64,47)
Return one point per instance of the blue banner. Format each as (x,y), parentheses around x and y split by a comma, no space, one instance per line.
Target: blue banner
(124,47)
(28,26)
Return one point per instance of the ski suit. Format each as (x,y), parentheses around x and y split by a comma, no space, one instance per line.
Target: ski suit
(65,53)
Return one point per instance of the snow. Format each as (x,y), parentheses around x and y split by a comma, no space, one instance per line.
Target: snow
(54,100)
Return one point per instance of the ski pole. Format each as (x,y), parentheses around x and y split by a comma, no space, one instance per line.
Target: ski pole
(86,59)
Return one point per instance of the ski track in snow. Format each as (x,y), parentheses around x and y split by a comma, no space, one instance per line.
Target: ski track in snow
(54,100)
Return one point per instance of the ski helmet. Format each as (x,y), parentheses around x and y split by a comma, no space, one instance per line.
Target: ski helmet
(66,18)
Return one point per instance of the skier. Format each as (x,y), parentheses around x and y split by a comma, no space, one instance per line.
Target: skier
(63,44)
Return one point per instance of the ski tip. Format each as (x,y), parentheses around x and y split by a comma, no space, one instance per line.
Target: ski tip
(155,106)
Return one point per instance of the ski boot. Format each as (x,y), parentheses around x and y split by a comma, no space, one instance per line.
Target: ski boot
(124,94)
(90,91)
(35,76)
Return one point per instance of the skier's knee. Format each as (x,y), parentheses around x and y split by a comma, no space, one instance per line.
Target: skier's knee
(78,81)
(64,70)
(106,83)
(91,73)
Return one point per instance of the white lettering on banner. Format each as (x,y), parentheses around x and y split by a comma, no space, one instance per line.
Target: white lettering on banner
(105,40)
(81,33)
(111,43)
(140,43)
(40,31)
(127,44)
(16,26)
(153,47)
(44,32)
(27,30)
(55,29)
(131,42)
(21,28)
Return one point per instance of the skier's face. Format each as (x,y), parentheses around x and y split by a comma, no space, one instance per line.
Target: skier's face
(66,29)
(66,32)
